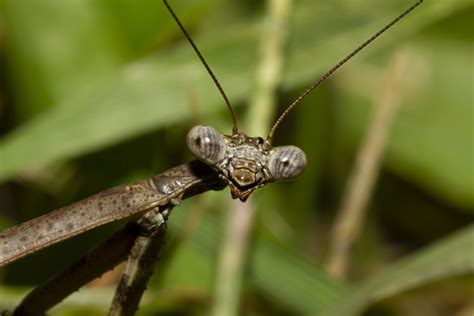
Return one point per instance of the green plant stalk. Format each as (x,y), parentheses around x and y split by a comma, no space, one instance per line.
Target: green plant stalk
(269,71)
(239,220)
(306,288)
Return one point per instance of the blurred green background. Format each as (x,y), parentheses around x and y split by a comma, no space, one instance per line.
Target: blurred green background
(98,93)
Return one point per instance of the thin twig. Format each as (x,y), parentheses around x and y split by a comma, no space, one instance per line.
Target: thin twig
(240,218)
(351,215)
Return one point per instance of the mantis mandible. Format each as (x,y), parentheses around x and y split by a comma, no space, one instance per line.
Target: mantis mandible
(238,161)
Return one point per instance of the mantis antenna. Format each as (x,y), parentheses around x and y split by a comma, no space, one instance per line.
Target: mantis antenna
(333,69)
(235,130)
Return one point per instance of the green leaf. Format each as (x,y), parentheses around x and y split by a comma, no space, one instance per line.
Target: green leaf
(450,257)
(54,47)
(293,280)
(286,276)
(148,94)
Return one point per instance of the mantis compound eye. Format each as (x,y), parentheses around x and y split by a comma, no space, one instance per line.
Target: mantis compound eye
(286,162)
(206,144)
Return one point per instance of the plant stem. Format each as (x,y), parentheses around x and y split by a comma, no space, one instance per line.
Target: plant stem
(351,215)
(239,221)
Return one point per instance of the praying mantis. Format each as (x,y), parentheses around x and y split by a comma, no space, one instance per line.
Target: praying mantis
(237,161)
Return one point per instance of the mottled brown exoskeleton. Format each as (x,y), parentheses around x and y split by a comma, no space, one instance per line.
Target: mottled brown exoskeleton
(241,162)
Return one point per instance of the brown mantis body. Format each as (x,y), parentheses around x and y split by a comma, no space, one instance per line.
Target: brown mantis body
(243,163)
(125,201)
